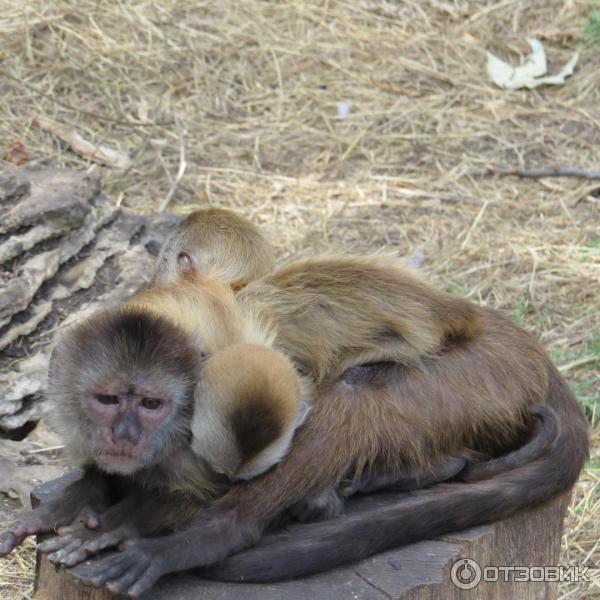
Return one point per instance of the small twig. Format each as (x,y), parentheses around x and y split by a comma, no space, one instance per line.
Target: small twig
(46,449)
(474,225)
(579,362)
(97,152)
(540,172)
(180,171)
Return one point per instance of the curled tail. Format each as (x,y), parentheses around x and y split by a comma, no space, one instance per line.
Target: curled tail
(544,435)
(383,524)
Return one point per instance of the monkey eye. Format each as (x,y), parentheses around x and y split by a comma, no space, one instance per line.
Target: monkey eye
(151,403)
(107,399)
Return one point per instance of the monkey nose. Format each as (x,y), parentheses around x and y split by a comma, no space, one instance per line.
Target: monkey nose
(126,429)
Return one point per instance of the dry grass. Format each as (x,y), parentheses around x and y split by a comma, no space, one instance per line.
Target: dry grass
(16,573)
(250,91)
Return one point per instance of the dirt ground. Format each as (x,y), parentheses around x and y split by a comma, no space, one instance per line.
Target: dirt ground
(342,125)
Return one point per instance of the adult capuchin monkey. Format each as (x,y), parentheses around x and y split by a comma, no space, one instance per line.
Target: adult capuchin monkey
(405,377)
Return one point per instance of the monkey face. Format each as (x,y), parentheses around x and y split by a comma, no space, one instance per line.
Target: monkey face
(128,426)
(121,387)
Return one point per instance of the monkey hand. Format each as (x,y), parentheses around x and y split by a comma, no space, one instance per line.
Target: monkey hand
(44,520)
(135,570)
(77,543)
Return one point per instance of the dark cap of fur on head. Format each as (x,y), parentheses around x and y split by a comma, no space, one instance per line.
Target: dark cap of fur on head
(125,339)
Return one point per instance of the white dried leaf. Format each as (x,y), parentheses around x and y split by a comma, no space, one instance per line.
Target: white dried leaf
(531,74)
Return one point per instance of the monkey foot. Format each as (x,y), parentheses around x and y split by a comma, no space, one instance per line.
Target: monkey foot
(130,572)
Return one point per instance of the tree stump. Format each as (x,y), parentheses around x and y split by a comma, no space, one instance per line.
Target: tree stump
(421,571)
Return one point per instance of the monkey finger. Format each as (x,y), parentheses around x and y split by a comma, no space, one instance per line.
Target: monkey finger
(130,543)
(98,573)
(67,530)
(145,582)
(122,584)
(93,546)
(8,542)
(59,556)
(30,527)
(54,543)
(89,517)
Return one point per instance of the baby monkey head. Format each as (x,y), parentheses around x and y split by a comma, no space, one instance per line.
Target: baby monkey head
(121,389)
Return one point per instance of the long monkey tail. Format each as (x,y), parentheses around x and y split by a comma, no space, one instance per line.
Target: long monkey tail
(381,525)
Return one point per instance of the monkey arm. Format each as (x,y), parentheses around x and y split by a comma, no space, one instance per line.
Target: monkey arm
(81,502)
(139,513)
(322,456)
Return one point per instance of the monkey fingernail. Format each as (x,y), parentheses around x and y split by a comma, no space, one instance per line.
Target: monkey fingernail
(72,560)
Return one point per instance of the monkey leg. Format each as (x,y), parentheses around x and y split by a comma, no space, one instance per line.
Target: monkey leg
(81,502)
(405,482)
(330,503)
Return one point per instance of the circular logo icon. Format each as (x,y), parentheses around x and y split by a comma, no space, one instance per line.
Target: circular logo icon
(465,574)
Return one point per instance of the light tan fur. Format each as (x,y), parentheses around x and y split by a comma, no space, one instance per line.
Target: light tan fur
(331,313)
(218,243)
(232,378)
(201,306)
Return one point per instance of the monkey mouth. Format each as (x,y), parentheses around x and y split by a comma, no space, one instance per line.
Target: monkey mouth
(122,463)
(119,456)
